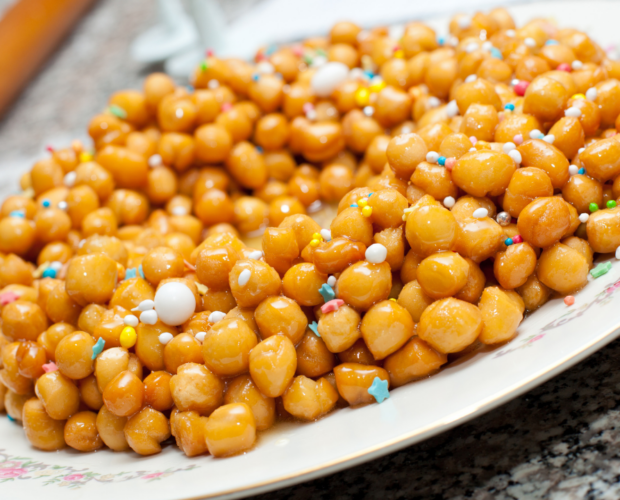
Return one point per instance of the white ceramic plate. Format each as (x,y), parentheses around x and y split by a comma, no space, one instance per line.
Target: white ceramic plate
(548,342)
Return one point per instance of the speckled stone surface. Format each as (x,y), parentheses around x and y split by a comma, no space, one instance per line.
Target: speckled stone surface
(560,441)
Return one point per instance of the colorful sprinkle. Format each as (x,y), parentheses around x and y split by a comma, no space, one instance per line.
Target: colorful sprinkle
(379,390)
(611,204)
(98,348)
(11,419)
(128,337)
(332,305)
(521,87)
(256,255)
(140,271)
(518,139)
(450,162)
(49,273)
(367,211)
(503,219)
(508,242)
(18,213)
(432,157)
(327,292)
(130,273)
(564,67)
(315,243)
(601,269)
(46,203)
(315,328)
(517,239)
(509,107)
(85,157)
(331,281)
(8,297)
(591,94)
(49,367)
(581,171)
(496,53)
(118,111)
(569,300)
(362,97)
(593,207)
(442,161)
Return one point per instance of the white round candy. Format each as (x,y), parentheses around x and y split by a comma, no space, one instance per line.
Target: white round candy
(328,77)
(265,67)
(175,303)
(368,110)
(471,78)
(55,265)
(432,157)
(433,102)
(516,156)
(155,161)
(550,138)
(131,320)
(165,337)
(256,255)
(452,109)
(449,202)
(148,317)
(487,46)
(508,147)
(535,134)
(216,316)
(576,65)
(572,112)
(529,42)
(376,253)
(584,218)
(62,205)
(213,84)
(70,178)
(331,281)
(480,213)
(356,73)
(581,150)
(244,277)
(145,305)
(573,169)
(471,47)
(179,210)
(511,33)
(326,234)
(318,62)
(200,336)
(591,94)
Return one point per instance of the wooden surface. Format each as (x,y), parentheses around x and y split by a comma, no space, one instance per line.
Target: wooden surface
(29,31)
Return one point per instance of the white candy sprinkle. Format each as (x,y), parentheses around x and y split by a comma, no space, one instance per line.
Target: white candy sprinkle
(472,150)
(62,205)
(376,253)
(148,317)
(331,281)
(165,337)
(200,336)
(452,109)
(591,94)
(508,147)
(432,157)
(573,112)
(175,303)
(453,40)
(549,138)
(55,265)
(573,169)
(449,202)
(576,65)
(529,42)
(433,102)
(471,46)
(131,320)
(311,115)
(464,22)
(244,277)
(81,243)
(265,67)
(516,156)
(145,305)
(514,81)
(369,110)
(256,255)
(179,113)
(70,179)
(356,73)
(216,316)
(511,33)
(326,234)
(536,134)
(487,46)
(471,78)
(480,213)
(618,253)
(155,161)
(584,218)
(580,150)
(319,61)
(179,210)
(213,84)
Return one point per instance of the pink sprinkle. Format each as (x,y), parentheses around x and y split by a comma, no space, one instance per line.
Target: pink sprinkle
(226,107)
(8,297)
(50,149)
(564,67)
(450,162)
(518,139)
(308,107)
(210,53)
(521,87)
(298,50)
(473,140)
(332,305)
(517,239)
(49,367)
(569,300)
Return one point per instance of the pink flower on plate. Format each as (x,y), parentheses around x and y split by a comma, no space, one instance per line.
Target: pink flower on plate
(10,473)
(73,477)
(538,337)
(153,475)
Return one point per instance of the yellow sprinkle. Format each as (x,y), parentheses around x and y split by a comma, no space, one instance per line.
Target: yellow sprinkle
(393,300)
(377,87)
(362,202)
(316,236)
(362,97)
(39,270)
(84,157)
(128,337)
(202,289)
(408,210)
(399,54)
(314,243)
(578,96)
(367,211)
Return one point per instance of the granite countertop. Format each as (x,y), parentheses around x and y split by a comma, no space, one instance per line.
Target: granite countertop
(559,441)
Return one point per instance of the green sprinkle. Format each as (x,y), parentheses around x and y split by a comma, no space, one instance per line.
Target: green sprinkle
(593,207)
(118,111)
(611,204)
(601,269)
(203,66)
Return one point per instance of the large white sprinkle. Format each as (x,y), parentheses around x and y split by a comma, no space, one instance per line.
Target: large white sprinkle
(584,218)
(155,161)
(452,109)
(256,255)
(516,156)
(331,281)
(200,336)
(508,147)
(131,320)
(70,179)
(148,317)
(432,157)
(576,65)
(326,234)
(591,94)
(328,77)
(165,337)
(536,134)
(376,253)
(550,138)
(216,316)
(449,202)
(179,210)
(244,277)
(471,78)
(480,213)
(433,102)
(573,169)
(529,42)
(145,305)
(572,112)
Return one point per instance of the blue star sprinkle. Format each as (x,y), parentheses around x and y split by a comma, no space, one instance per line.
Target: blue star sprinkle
(11,418)
(98,347)
(315,328)
(130,273)
(141,272)
(327,292)
(379,390)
